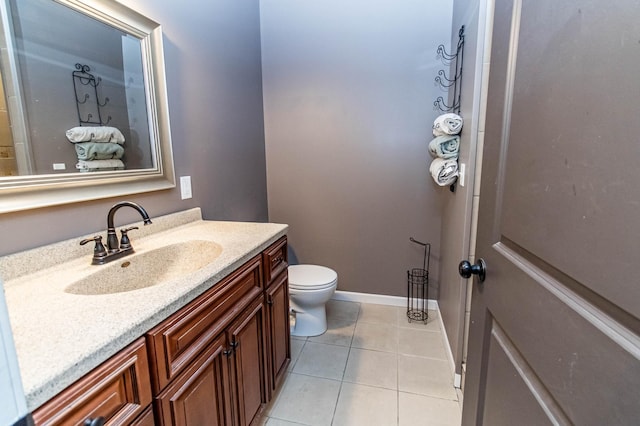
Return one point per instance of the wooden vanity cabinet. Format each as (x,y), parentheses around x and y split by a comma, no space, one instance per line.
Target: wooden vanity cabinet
(216,361)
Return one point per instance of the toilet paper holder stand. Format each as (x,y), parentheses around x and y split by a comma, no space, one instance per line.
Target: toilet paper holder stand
(418,287)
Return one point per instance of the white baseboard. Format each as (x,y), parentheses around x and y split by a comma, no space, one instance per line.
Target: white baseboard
(457,378)
(379,299)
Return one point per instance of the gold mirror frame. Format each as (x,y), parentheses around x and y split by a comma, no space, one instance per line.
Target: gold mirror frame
(35,191)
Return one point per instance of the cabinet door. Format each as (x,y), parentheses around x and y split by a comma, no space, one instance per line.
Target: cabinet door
(247,340)
(278,326)
(200,395)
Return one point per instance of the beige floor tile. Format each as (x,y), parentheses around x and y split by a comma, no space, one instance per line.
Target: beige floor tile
(274,398)
(296,348)
(372,368)
(378,314)
(320,360)
(433,322)
(378,337)
(421,343)
(339,332)
(277,422)
(415,410)
(307,400)
(303,338)
(361,405)
(425,376)
(342,309)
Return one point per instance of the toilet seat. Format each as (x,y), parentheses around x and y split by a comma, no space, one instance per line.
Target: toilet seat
(311,277)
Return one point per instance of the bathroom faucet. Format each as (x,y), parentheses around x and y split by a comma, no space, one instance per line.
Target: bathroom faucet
(112,238)
(115,249)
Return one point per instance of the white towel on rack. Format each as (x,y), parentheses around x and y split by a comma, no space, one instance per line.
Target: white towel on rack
(447,124)
(95,134)
(99,165)
(446,146)
(444,171)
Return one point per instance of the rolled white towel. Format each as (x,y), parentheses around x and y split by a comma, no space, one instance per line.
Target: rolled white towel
(444,171)
(99,165)
(447,124)
(445,146)
(95,134)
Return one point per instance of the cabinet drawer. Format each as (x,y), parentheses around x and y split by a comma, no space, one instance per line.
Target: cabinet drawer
(118,390)
(275,260)
(179,339)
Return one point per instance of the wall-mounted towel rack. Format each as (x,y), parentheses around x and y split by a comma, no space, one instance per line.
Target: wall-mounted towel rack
(454,61)
(88,105)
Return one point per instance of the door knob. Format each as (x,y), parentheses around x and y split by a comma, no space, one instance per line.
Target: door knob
(466,269)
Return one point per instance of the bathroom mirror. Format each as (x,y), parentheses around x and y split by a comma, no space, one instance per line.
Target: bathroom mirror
(83,108)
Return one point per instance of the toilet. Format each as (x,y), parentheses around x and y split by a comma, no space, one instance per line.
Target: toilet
(310,288)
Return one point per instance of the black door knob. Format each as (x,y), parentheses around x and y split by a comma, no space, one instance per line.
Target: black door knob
(466,269)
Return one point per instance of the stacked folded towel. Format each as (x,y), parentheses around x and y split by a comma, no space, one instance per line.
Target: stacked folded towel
(445,147)
(97,148)
(99,165)
(95,134)
(98,151)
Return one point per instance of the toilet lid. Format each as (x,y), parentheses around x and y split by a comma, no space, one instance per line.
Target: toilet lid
(311,277)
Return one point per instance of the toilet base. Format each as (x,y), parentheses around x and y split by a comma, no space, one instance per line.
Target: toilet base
(310,322)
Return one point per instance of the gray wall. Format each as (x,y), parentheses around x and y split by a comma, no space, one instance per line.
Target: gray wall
(457,207)
(348,99)
(212,55)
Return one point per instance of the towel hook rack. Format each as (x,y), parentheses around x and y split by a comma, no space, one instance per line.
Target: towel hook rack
(85,88)
(455,61)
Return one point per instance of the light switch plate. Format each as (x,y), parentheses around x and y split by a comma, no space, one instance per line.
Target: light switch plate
(462,173)
(185,187)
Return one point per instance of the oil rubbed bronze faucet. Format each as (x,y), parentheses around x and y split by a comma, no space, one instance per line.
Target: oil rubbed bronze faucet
(115,249)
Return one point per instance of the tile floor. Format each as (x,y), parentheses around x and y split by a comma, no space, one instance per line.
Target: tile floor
(371,368)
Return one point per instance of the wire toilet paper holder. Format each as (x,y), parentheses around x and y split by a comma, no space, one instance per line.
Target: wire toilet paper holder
(418,287)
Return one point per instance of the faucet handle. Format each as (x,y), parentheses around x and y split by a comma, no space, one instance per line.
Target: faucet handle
(124,241)
(98,251)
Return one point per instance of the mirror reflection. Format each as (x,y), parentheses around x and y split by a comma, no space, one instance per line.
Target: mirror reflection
(73,94)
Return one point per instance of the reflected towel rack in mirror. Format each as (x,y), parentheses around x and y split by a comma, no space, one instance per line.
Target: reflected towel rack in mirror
(85,88)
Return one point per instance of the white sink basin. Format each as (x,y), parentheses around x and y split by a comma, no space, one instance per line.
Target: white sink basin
(147,269)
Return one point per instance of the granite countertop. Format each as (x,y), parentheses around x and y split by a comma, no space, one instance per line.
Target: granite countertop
(60,337)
